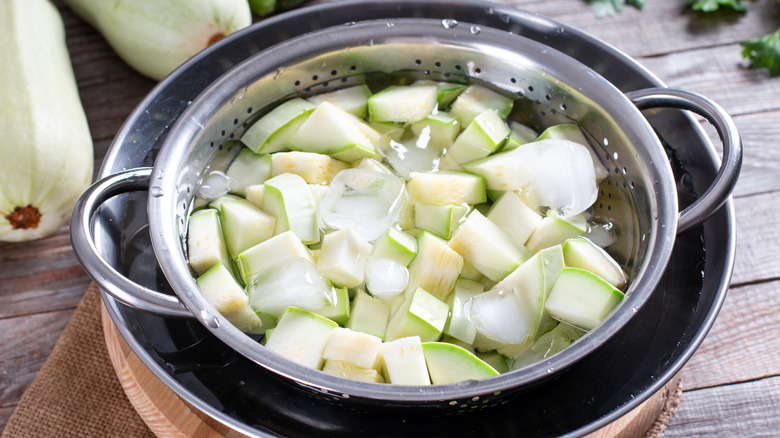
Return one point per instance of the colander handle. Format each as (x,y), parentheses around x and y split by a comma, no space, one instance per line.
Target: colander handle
(108,278)
(720,189)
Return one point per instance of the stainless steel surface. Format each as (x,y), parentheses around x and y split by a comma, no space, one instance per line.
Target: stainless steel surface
(108,278)
(717,194)
(553,88)
(138,141)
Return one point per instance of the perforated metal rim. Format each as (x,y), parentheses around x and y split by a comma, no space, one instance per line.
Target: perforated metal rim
(191,126)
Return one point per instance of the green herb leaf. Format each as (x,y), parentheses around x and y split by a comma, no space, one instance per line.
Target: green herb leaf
(764,52)
(714,5)
(605,8)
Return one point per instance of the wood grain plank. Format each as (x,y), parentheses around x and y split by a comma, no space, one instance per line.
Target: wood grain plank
(25,344)
(747,409)
(40,276)
(5,414)
(758,237)
(662,26)
(743,344)
(721,74)
(761,166)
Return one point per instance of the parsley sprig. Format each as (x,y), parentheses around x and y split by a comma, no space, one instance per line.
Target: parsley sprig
(714,5)
(605,8)
(764,52)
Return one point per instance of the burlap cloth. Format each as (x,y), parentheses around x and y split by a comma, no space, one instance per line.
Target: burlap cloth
(76,392)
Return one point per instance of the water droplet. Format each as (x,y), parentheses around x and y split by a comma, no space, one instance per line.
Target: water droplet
(505,18)
(390,24)
(475,30)
(449,23)
(156,191)
(158,174)
(210,319)
(350,23)
(238,96)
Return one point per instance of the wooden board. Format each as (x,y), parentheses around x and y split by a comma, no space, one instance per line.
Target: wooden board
(168,415)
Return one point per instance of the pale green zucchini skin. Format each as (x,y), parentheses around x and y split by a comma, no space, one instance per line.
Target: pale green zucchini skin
(154,37)
(46,153)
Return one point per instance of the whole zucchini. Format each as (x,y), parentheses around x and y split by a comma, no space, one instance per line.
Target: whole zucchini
(46,156)
(153,36)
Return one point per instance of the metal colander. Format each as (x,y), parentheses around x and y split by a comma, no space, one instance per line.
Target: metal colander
(549,88)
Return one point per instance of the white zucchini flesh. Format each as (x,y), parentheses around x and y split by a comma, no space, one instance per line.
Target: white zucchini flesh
(45,143)
(349,370)
(369,315)
(483,244)
(301,336)
(403,103)
(582,299)
(355,347)
(446,187)
(221,290)
(449,363)
(579,252)
(353,100)
(403,362)
(476,99)
(205,242)
(435,268)
(421,314)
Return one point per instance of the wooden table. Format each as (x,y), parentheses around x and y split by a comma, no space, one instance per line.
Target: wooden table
(732,384)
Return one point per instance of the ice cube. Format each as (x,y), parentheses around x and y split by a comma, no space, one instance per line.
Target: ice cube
(559,173)
(369,202)
(412,154)
(214,185)
(294,283)
(499,315)
(386,278)
(602,232)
